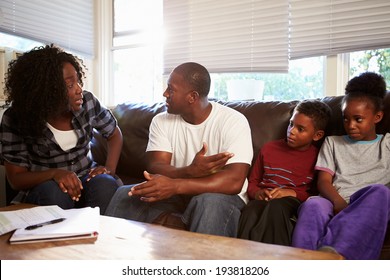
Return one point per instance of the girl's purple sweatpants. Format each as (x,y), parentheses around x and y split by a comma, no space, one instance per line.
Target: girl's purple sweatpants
(357,232)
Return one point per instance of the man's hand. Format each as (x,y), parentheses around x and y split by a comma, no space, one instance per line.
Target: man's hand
(69,183)
(155,188)
(202,165)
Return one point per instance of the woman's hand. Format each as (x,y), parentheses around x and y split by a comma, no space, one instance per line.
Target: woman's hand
(69,183)
(97,171)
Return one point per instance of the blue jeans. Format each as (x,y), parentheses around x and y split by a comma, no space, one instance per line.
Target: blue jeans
(96,192)
(210,213)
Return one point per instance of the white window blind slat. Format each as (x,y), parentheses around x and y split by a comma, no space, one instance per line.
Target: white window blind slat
(69,24)
(227,35)
(320,27)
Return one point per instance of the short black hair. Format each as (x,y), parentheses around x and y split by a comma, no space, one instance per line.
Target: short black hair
(317,110)
(368,86)
(196,75)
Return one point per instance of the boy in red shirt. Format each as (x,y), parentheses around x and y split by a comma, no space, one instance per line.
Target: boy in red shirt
(282,175)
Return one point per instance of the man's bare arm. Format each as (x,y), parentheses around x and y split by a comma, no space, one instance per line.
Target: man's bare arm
(229,180)
(160,163)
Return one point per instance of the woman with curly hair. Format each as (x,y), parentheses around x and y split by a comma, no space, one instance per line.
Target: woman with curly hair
(46,132)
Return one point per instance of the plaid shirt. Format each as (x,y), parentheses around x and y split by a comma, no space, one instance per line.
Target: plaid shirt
(45,153)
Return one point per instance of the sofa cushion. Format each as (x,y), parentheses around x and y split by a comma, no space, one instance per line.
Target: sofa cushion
(268,121)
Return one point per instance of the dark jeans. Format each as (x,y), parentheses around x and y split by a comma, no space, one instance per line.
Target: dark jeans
(269,221)
(210,213)
(96,192)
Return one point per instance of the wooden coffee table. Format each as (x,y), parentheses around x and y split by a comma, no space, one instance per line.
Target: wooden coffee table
(121,239)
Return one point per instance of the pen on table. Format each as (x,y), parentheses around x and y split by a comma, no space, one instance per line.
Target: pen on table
(44,224)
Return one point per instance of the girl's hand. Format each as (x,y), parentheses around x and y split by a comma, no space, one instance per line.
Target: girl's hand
(339,205)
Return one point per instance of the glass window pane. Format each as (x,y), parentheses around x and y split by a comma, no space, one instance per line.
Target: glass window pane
(138,63)
(304,80)
(136,15)
(17,43)
(136,75)
(370,60)
(139,38)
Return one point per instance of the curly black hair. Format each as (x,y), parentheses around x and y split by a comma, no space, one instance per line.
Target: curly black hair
(369,86)
(36,89)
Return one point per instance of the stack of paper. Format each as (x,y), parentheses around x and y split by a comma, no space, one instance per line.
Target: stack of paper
(50,223)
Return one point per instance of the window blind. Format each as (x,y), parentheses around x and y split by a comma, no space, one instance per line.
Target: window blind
(227,35)
(69,24)
(320,27)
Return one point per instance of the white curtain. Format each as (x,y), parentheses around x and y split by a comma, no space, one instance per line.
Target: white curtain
(227,35)
(260,36)
(69,24)
(326,27)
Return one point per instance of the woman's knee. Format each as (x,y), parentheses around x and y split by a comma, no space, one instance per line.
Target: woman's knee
(49,193)
(103,180)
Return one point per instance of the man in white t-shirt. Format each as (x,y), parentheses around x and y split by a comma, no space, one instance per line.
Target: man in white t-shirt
(198,158)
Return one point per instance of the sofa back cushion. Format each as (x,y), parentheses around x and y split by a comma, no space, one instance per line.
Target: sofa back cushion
(268,121)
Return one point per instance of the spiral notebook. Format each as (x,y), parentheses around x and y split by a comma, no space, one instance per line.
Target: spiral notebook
(75,224)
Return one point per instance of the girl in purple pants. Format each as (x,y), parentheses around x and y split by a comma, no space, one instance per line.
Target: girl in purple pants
(352,213)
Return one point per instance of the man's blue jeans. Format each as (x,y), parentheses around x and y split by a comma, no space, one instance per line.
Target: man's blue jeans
(96,192)
(211,213)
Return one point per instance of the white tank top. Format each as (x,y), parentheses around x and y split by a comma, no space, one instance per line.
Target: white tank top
(67,139)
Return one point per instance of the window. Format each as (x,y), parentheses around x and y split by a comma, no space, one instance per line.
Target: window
(137,64)
(11,46)
(130,36)
(137,51)
(371,60)
(317,67)
(17,43)
(227,35)
(68,23)
(304,80)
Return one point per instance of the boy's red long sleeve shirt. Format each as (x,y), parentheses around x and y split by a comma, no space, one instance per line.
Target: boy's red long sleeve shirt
(278,165)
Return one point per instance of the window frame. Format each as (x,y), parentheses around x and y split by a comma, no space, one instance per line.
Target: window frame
(336,67)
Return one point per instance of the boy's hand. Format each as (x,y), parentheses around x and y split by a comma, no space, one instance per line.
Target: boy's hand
(269,194)
(282,192)
(262,194)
